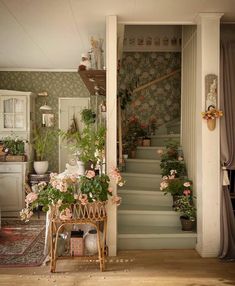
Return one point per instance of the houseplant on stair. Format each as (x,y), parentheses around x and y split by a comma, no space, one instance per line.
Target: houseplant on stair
(43,144)
(185,206)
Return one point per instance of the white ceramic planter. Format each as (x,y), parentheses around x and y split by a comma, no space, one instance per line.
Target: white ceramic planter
(40,167)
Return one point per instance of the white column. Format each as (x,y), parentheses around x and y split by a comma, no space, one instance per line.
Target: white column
(208,142)
(111,138)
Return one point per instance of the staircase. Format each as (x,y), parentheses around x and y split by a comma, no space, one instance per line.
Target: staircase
(145,218)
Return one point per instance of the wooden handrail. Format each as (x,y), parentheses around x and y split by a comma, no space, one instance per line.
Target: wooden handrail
(156,80)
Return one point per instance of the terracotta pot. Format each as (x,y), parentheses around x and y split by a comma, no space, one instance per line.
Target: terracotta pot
(139,141)
(211,123)
(133,154)
(187,225)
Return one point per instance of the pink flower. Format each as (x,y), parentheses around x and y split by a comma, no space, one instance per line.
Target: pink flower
(186,192)
(66,214)
(160,151)
(62,187)
(90,174)
(83,199)
(110,190)
(76,196)
(187,184)
(116,200)
(163,185)
(30,198)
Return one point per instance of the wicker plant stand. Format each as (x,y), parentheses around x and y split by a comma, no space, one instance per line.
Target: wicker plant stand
(93,214)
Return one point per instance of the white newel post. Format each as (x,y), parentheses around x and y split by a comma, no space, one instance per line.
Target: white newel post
(208,142)
(111,138)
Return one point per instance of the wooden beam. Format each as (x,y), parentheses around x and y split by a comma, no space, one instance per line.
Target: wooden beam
(156,80)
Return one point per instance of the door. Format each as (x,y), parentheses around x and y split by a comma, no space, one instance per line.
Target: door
(69,108)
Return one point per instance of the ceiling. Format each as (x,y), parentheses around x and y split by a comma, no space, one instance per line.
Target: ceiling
(52,34)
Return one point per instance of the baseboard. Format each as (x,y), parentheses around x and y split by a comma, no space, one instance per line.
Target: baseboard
(206,253)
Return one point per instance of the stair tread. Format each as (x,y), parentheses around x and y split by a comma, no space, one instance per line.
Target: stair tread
(151,147)
(141,191)
(165,135)
(153,230)
(143,160)
(141,174)
(133,207)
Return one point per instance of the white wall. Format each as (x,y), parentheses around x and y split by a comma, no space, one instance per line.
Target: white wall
(188,102)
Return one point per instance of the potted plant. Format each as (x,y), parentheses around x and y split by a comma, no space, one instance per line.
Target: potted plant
(185,206)
(14,148)
(43,144)
(87,144)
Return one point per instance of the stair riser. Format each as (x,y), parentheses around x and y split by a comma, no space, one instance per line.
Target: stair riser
(143,167)
(157,243)
(142,181)
(149,200)
(155,141)
(159,219)
(173,129)
(145,153)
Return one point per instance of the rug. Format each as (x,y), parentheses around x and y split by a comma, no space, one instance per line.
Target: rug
(22,244)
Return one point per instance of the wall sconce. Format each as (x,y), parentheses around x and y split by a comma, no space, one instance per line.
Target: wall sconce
(45,106)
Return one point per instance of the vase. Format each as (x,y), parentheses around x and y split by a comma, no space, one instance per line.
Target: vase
(211,123)
(91,246)
(40,167)
(187,224)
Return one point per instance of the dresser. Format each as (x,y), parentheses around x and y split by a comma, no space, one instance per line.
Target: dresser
(17,118)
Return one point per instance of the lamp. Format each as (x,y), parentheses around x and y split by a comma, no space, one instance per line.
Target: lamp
(45,107)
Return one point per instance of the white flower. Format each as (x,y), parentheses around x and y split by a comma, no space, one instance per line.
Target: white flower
(173,172)
(187,184)
(163,185)
(180,158)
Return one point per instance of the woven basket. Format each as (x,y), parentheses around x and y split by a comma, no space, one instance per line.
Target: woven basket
(91,211)
(15,158)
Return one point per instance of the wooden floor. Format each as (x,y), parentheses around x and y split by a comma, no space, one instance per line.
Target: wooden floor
(134,268)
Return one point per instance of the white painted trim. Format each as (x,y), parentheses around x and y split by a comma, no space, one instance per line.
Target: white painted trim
(204,253)
(38,70)
(111,119)
(156,23)
(59,106)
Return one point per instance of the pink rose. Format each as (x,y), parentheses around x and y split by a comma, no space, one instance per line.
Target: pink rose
(110,190)
(30,198)
(116,200)
(186,192)
(83,199)
(90,174)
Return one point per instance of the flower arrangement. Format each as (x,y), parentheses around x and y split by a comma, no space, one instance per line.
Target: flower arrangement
(212,113)
(176,186)
(66,189)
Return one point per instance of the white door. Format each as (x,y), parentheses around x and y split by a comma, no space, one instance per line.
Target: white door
(68,108)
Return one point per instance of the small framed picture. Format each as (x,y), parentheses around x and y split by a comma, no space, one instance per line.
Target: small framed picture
(47,119)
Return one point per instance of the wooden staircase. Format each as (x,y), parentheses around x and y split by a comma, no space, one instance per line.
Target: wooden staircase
(146,219)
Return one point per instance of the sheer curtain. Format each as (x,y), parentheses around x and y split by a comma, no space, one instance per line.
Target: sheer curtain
(227,137)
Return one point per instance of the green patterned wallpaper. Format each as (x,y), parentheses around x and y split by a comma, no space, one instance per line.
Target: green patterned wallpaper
(160,101)
(57,84)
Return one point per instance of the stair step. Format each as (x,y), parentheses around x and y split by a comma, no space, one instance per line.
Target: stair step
(142,180)
(146,237)
(143,166)
(162,140)
(151,198)
(133,215)
(148,152)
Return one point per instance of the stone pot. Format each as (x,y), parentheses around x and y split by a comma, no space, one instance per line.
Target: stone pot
(40,167)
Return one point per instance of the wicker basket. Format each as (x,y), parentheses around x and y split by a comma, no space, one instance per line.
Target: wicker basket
(91,211)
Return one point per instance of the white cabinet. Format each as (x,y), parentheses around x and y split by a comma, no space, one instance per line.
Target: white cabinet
(17,113)
(17,118)
(12,195)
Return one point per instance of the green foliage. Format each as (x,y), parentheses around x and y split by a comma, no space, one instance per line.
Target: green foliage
(88,143)
(95,188)
(185,206)
(14,146)
(88,116)
(43,142)
(134,131)
(175,187)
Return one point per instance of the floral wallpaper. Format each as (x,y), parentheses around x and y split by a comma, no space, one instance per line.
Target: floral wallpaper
(57,84)
(159,102)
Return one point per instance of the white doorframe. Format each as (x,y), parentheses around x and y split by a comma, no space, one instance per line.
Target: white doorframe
(59,108)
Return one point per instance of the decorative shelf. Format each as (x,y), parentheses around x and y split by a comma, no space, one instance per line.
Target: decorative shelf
(94,80)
